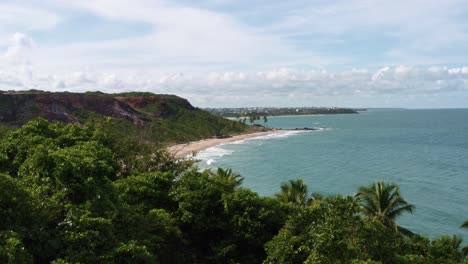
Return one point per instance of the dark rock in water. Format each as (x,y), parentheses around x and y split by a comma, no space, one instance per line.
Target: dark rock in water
(306,128)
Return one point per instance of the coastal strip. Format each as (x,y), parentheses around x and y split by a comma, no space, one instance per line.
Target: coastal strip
(187,149)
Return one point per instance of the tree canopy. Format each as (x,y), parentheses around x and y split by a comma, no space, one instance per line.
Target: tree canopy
(81,194)
(383,202)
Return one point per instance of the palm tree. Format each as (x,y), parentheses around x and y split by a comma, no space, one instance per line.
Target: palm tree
(456,242)
(465,248)
(294,191)
(316,198)
(383,202)
(232,177)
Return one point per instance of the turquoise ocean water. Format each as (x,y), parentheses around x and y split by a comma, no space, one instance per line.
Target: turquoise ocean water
(424,151)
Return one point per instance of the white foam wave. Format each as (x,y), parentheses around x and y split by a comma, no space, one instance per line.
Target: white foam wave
(217,151)
(281,134)
(239,142)
(213,154)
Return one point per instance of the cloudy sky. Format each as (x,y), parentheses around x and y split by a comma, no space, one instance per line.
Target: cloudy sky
(355,53)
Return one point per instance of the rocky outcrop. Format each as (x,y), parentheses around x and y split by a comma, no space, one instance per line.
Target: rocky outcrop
(20,107)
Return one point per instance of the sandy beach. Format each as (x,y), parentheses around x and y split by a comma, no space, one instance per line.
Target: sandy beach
(184,150)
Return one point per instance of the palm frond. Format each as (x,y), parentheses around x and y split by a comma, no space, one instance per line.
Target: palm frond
(465,251)
(383,202)
(404,231)
(464,225)
(294,191)
(408,208)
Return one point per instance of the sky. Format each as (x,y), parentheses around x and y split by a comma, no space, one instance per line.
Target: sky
(232,53)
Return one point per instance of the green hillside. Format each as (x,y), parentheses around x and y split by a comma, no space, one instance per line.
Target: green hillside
(148,116)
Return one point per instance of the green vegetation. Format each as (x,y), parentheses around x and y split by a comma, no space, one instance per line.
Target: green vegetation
(147,116)
(384,203)
(465,249)
(295,192)
(85,194)
(182,127)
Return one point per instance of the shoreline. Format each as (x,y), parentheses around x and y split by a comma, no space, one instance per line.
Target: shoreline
(268,116)
(187,149)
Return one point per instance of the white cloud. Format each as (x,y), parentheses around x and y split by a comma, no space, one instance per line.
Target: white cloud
(456,71)
(192,35)
(180,35)
(289,86)
(404,29)
(380,73)
(214,57)
(15,62)
(18,50)
(181,38)
(25,17)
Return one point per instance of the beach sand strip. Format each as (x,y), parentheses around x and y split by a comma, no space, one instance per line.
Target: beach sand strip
(187,149)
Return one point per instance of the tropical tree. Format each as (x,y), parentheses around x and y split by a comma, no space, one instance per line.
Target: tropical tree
(294,191)
(232,177)
(447,248)
(253,117)
(316,198)
(383,202)
(325,233)
(465,224)
(465,248)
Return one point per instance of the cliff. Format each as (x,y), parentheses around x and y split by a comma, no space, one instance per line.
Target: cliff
(165,116)
(20,107)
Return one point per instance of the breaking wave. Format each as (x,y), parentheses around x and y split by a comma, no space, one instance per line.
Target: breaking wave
(211,155)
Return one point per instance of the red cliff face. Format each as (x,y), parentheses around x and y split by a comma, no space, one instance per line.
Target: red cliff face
(18,108)
(161,102)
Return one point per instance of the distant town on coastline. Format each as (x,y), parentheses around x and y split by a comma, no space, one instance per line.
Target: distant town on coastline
(279,111)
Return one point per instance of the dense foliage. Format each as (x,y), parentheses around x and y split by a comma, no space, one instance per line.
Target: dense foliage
(72,194)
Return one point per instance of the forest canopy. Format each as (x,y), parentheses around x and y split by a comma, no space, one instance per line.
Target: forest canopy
(83,194)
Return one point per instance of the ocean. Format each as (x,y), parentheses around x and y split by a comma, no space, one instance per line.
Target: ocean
(425,152)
